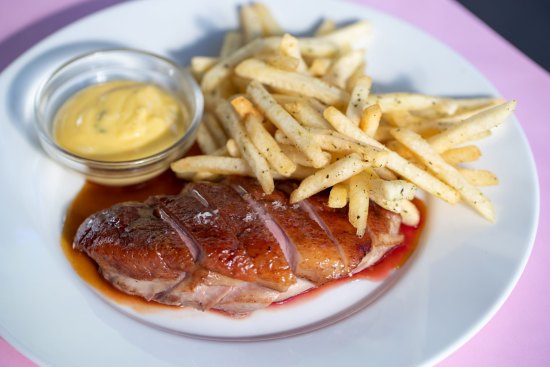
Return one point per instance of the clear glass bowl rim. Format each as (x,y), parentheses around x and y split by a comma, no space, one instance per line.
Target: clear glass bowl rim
(115,165)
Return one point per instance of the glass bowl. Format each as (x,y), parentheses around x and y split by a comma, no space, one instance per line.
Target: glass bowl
(117,64)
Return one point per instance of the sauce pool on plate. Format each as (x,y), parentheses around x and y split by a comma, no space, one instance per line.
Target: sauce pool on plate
(93,197)
(119,120)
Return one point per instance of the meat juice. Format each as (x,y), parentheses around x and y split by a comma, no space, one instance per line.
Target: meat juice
(391,261)
(93,197)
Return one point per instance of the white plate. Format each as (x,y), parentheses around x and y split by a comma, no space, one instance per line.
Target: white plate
(456,281)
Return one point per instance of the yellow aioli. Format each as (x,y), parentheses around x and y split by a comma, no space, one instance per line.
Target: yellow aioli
(119,120)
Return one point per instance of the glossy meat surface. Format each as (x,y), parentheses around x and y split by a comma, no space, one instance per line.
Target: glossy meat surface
(260,245)
(318,258)
(132,239)
(229,246)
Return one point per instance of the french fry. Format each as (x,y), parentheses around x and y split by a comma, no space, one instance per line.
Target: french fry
(205,141)
(343,68)
(299,136)
(215,129)
(232,41)
(401,118)
(357,74)
(304,113)
(382,133)
(286,98)
(374,156)
(370,119)
(410,215)
(428,133)
(211,101)
(220,152)
(267,146)
(359,202)
(475,103)
(316,105)
(358,99)
(338,197)
(290,48)
(385,173)
(280,61)
(391,205)
(471,127)
(251,25)
(395,162)
(201,64)
(320,66)
(298,156)
(205,166)
(428,155)
(232,148)
(315,47)
(257,163)
(333,142)
(212,164)
(422,179)
(244,107)
(479,177)
(482,135)
(468,153)
(270,26)
(346,127)
(300,173)
(239,85)
(322,125)
(393,190)
(292,82)
(326,26)
(410,101)
(402,150)
(345,36)
(205,176)
(328,176)
(219,72)
(443,123)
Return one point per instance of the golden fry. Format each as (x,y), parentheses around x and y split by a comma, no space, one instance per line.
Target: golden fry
(479,177)
(359,202)
(338,197)
(370,119)
(342,69)
(205,141)
(215,129)
(326,177)
(291,82)
(299,136)
(255,160)
(358,99)
(428,155)
(472,127)
(468,153)
(270,26)
(267,146)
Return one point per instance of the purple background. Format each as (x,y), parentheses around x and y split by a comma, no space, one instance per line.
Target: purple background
(519,334)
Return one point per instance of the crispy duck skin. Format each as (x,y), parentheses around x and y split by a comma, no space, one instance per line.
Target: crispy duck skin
(229,246)
(317,256)
(260,245)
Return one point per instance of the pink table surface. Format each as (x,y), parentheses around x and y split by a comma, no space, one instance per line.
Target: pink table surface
(519,334)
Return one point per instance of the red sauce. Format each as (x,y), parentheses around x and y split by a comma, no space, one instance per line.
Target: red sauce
(399,255)
(93,197)
(381,269)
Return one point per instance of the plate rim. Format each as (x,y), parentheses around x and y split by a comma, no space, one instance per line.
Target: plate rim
(533,231)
